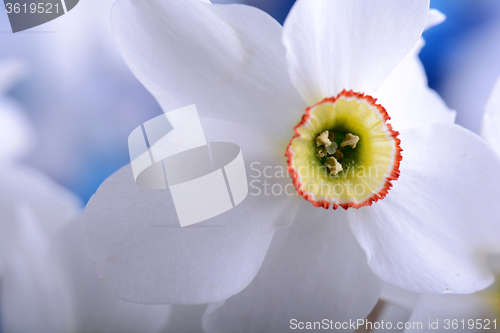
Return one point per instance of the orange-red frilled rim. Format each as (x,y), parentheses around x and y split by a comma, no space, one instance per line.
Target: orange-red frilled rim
(367,168)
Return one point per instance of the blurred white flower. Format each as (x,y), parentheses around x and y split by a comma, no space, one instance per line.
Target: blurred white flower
(80,95)
(20,184)
(47,280)
(230,62)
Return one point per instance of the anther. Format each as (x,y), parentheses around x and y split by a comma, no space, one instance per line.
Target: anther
(350,140)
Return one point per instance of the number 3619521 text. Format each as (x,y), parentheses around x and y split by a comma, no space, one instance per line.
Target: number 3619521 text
(40,8)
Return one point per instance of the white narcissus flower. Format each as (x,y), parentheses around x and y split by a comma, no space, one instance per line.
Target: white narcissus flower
(230,62)
(47,280)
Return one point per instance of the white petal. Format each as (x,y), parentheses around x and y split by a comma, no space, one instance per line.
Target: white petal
(428,234)
(314,270)
(349,44)
(143,255)
(435,18)
(405,93)
(226,59)
(95,308)
(408,99)
(491,119)
(476,310)
(16,131)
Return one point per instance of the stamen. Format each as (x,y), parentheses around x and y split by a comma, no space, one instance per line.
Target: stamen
(329,152)
(350,140)
(321,151)
(322,139)
(333,165)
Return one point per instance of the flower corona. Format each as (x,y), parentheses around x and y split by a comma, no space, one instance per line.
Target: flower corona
(344,153)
